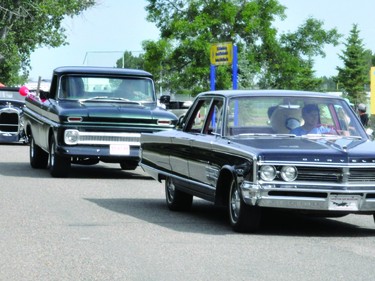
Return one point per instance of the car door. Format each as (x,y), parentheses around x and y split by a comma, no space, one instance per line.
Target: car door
(180,150)
(202,166)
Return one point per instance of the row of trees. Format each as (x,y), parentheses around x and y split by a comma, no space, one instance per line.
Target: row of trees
(28,24)
(179,60)
(267,59)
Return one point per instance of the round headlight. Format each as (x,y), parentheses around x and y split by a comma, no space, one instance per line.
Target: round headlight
(71,136)
(288,173)
(267,173)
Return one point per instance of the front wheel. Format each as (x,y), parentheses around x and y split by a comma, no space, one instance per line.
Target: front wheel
(177,200)
(243,217)
(38,157)
(58,166)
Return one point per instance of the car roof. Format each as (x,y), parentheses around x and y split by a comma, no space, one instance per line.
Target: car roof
(281,93)
(101,70)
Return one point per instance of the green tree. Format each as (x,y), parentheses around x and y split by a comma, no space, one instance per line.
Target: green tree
(354,75)
(128,60)
(329,84)
(267,59)
(28,24)
(292,57)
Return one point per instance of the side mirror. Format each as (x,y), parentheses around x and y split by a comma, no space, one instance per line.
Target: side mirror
(181,121)
(43,95)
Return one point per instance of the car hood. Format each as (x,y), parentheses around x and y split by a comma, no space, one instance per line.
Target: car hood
(341,149)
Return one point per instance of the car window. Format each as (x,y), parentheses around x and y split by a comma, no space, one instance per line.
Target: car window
(207,117)
(200,113)
(250,115)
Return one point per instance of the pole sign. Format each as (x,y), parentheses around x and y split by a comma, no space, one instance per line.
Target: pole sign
(221,54)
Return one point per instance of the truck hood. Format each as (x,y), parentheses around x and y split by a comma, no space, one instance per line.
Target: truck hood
(119,110)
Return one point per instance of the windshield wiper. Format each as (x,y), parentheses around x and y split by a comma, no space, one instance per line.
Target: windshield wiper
(265,135)
(101,98)
(93,98)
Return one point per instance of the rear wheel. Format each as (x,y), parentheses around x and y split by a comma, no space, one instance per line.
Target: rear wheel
(177,200)
(58,166)
(243,217)
(38,157)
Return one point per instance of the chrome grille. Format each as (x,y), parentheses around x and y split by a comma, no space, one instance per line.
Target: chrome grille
(320,174)
(362,175)
(109,138)
(336,175)
(9,121)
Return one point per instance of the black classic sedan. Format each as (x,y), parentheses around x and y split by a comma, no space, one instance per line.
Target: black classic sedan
(11,115)
(251,150)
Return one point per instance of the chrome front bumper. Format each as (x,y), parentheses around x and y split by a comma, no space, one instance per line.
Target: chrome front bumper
(320,199)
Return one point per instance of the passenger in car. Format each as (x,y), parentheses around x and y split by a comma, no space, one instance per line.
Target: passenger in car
(130,89)
(311,116)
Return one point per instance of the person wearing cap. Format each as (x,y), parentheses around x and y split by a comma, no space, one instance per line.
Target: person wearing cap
(311,116)
(362,114)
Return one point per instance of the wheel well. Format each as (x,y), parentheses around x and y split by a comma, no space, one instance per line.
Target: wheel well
(222,188)
(161,177)
(28,131)
(50,136)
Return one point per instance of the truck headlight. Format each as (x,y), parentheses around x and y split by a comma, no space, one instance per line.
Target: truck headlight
(288,173)
(71,136)
(268,173)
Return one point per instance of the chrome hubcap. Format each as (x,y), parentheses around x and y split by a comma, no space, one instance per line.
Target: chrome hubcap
(170,189)
(235,203)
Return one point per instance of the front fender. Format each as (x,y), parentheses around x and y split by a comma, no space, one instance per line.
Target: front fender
(228,174)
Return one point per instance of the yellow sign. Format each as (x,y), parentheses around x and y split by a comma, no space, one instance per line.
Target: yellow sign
(221,53)
(372,90)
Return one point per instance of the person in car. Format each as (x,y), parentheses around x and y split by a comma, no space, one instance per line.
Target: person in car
(311,116)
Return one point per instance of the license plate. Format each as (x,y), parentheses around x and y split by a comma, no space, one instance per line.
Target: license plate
(344,202)
(119,149)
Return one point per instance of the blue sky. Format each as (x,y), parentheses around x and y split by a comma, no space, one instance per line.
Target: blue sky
(101,34)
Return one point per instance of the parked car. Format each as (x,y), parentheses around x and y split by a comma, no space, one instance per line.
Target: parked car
(251,150)
(92,114)
(178,107)
(11,115)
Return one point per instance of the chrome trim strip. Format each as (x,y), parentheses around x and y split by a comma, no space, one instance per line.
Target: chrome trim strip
(319,164)
(155,172)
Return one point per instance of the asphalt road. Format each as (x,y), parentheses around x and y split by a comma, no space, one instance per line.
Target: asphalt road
(102,223)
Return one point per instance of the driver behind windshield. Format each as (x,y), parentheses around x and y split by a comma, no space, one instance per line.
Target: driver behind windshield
(311,116)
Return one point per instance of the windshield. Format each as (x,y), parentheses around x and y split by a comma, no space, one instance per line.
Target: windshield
(11,95)
(113,88)
(296,116)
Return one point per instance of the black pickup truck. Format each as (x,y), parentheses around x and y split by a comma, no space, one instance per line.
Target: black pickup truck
(92,114)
